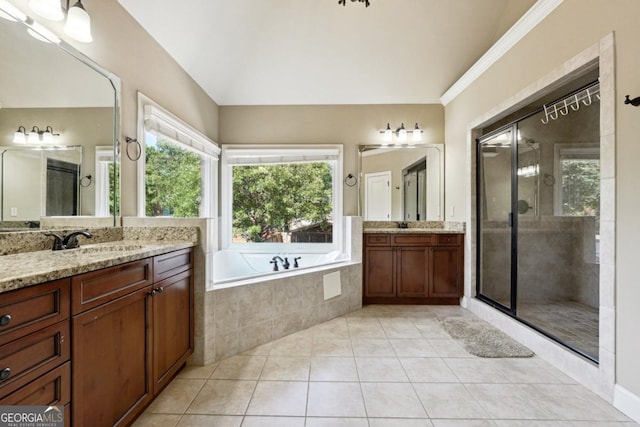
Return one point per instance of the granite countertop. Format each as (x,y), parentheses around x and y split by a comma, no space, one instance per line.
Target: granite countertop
(411,230)
(31,268)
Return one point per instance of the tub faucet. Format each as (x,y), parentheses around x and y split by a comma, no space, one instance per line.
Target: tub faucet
(295,262)
(274,261)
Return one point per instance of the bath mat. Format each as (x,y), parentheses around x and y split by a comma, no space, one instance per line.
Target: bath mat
(483,340)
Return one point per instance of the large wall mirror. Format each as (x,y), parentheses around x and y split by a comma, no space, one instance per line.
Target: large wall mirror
(59,121)
(402,183)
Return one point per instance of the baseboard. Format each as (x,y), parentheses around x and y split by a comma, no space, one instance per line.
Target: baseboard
(627,402)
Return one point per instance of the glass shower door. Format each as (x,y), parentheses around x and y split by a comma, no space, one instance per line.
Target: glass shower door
(495,219)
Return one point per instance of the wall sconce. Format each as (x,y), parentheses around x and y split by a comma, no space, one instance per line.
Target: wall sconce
(34,136)
(77,24)
(402,133)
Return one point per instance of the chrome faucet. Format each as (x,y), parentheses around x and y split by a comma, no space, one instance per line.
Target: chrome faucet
(69,241)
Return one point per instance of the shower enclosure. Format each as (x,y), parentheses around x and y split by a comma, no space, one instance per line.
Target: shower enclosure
(538,186)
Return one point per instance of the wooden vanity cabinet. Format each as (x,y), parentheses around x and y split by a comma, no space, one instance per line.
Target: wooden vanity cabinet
(35,345)
(128,347)
(412,268)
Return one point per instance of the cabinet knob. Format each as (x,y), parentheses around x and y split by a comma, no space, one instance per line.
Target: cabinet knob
(152,293)
(5,374)
(160,290)
(5,320)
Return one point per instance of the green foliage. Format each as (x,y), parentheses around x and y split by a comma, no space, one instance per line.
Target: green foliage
(270,199)
(114,187)
(173,181)
(581,187)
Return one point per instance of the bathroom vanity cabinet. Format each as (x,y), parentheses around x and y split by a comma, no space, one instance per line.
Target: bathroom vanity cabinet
(131,328)
(412,268)
(127,348)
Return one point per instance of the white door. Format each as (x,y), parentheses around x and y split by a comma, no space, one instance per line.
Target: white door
(377,196)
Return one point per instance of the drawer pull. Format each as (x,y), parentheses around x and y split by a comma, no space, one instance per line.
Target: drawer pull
(5,374)
(5,320)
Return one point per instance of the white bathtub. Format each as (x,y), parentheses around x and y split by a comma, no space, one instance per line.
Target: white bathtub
(231,266)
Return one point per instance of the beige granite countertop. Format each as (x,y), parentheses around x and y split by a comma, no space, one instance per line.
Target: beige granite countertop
(376,230)
(31,268)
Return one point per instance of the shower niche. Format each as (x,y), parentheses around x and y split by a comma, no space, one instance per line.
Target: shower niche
(538,188)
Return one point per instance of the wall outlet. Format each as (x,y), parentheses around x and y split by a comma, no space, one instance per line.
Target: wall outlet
(14,211)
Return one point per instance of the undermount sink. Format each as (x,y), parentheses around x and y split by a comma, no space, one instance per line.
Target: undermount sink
(102,248)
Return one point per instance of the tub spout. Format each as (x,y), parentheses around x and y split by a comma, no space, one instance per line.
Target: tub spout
(275,259)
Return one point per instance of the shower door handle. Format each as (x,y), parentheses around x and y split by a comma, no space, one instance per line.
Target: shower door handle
(510,219)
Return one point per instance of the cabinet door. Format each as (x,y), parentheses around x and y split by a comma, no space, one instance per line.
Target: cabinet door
(412,271)
(172,326)
(446,276)
(111,361)
(379,274)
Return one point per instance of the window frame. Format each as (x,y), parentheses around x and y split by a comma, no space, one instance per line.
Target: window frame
(278,153)
(154,119)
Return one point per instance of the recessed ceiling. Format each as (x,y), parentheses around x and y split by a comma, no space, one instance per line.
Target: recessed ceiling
(308,52)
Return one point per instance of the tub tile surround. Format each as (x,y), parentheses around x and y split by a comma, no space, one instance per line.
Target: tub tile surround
(598,378)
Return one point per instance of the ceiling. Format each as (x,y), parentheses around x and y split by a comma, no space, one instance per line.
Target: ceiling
(310,52)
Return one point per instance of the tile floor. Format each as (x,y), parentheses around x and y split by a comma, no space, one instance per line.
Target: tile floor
(382,366)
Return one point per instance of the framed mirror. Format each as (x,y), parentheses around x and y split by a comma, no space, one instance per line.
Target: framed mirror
(401,183)
(59,121)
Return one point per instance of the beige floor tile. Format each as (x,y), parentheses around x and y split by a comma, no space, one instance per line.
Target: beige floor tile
(428,370)
(449,348)
(372,347)
(148,419)
(335,328)
(380,369)
(463,423)
(533,423)
(396,328)
(177,396)
(335,399)
(255,421)
(332,347)
(223,397)
(286,368)
(399,422)
(239,368)
(333,369)
(449,401)
(336,422)
(194,372)
(413,348)
(292,345)
(261,350)
(287,398)
(430,328)
(511,401)
(478,370)
(392,400)
(532,370)
(210,421)
(365,328)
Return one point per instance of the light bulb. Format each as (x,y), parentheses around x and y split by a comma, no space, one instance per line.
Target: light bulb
(48,9)
(388,134)
(402,133)
(78,25)
(417,134)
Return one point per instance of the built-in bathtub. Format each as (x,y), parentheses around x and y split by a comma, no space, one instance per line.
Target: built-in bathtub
(231,266)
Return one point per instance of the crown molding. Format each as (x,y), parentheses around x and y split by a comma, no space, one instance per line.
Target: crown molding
(521,28)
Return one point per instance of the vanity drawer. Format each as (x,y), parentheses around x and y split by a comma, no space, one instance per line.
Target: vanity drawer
(25,359)
(412,239)
(377,239)
(27,310)
(449,239)
(167,265)
(92,289)
(51,389)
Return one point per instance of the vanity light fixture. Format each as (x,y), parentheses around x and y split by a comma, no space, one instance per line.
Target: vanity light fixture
(20,136)
(344,2)
(77,24)
(402,133)
(35,136)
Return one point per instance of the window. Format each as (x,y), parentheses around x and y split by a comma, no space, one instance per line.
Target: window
(577,191)
(106,182)
(282,198)
(177,176)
